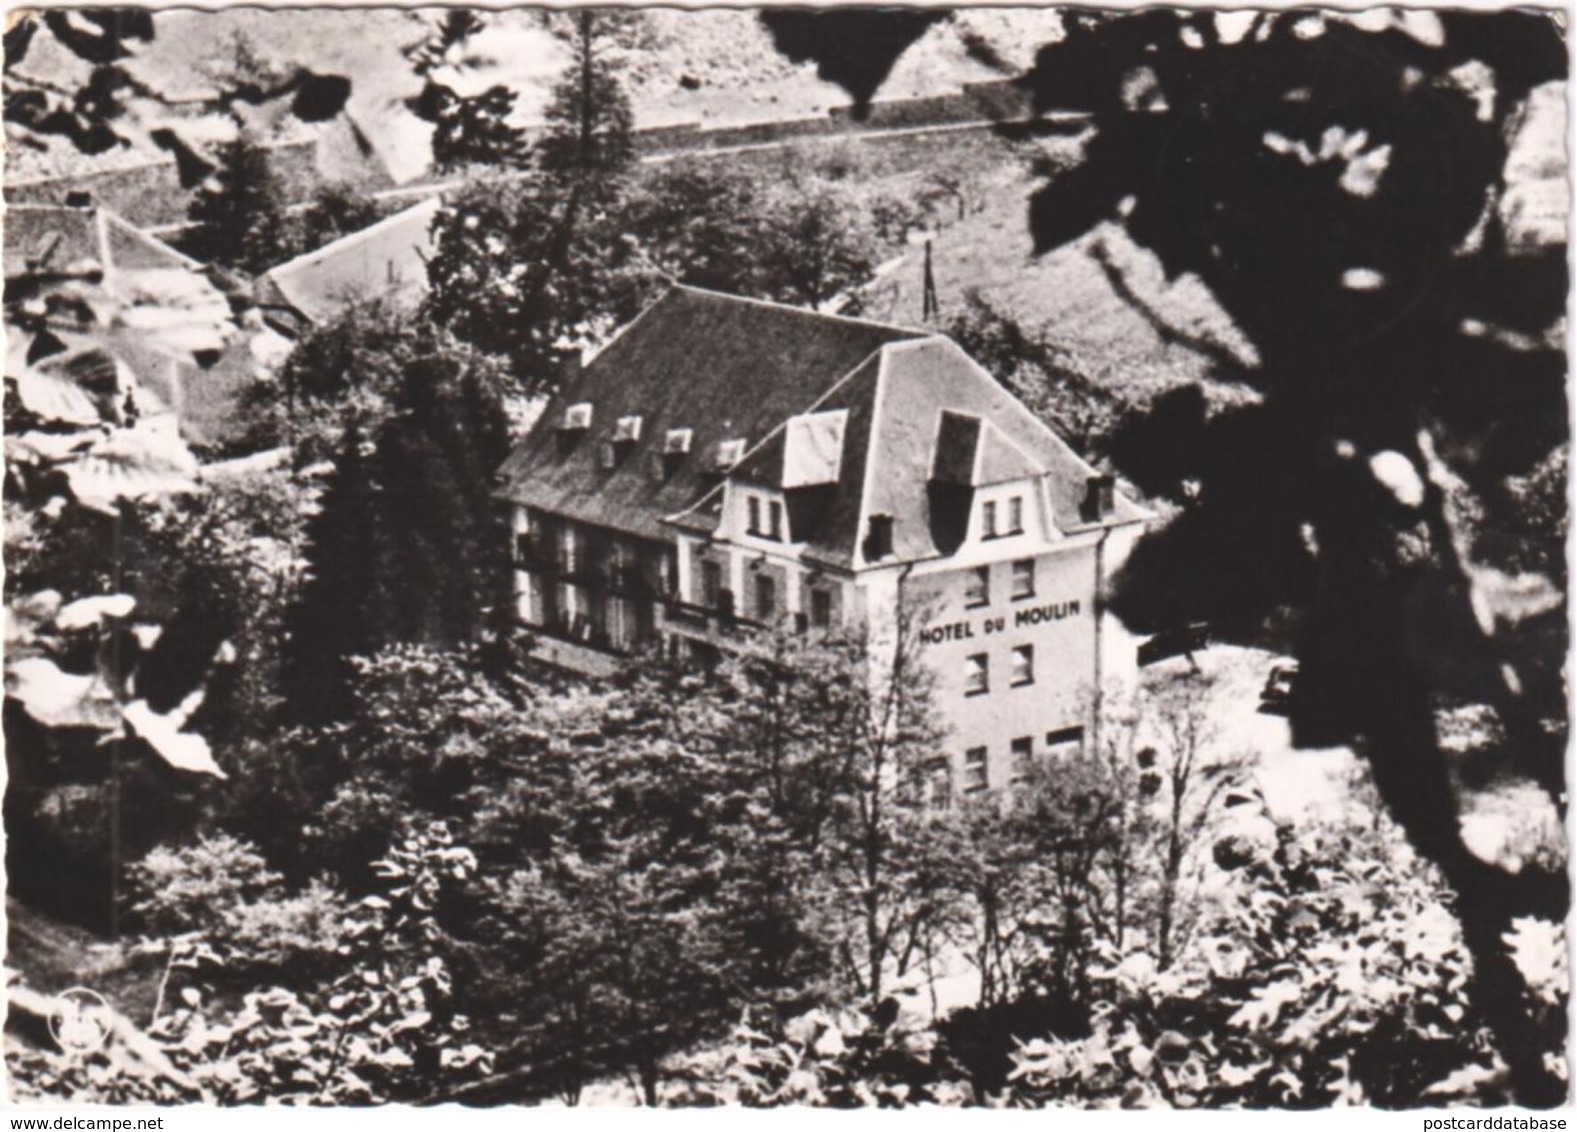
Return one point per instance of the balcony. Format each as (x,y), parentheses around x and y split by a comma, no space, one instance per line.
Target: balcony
(715,624)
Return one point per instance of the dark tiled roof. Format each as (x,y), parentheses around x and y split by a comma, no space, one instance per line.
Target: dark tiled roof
(722,366)
(58,238)
(920,381)
(725,367)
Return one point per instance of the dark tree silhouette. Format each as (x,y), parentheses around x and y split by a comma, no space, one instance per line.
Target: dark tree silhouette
(408,546)
(468,130)
(1340,188)
(238,214)
(853,47)
(588,144)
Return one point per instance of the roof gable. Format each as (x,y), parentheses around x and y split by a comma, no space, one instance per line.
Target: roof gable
(930,389)
(387,259)
(64,239)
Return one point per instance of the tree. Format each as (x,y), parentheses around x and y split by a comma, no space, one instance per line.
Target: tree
(1035,370)
(336,210)
(818,247)
(383,1028)
(341,610)
(468,129)
(1338,182)
(238,214)
(408,545)
(587,144)
(869,741)
(522,270)
(696,219)
(1309,984)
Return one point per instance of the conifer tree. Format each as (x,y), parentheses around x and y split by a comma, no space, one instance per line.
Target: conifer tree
(239,212)
(409,546)
(337,616)
(588,143)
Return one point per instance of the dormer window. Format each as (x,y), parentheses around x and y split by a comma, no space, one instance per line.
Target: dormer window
(775,520)
(1100,498)
(988,519)
(729,453)
(1016,515)
(677,442)
(577,417)
(753,515)
(878,537)
(627,430)
(607,456)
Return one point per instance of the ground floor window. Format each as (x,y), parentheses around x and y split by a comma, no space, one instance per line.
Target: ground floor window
(820,608)
(1065,741)
(1023,749)
(766,598)
(977,777)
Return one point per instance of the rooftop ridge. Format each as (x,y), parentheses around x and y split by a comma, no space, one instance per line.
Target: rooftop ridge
(360,236)
(909,332)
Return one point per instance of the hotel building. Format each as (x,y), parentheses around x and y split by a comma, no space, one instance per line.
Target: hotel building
(726,464)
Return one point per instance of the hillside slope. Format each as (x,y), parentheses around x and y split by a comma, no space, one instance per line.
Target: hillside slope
(711,66)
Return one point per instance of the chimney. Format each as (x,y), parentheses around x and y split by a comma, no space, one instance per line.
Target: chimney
(1100,498)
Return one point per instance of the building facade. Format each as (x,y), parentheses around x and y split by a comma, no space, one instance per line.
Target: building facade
(724,465)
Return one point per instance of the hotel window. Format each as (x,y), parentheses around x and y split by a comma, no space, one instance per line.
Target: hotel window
(568,557)
(1023,665)
(766,598)
(1023,578)
(939,785)
(1016,515)
(878,538)
(979,591)
(977,675)
(1065,741)
(711,585)
(976,775)
(988,520)
(775,520)
(820,608)
(753,506)
(1023,749)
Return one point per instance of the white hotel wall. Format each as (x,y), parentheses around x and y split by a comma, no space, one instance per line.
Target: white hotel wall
(1074,646)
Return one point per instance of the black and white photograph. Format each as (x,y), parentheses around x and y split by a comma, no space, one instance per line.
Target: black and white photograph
(832,557)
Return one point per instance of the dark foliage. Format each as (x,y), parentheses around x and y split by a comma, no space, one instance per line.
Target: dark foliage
(335,210)
(588,142)
(238,215)
(408,545)
(853,47)
(1338,189)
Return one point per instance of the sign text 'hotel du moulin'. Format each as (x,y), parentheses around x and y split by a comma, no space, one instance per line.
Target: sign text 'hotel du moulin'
(985,626)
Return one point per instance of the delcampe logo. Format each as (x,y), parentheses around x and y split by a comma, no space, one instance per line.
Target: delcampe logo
(80,1022)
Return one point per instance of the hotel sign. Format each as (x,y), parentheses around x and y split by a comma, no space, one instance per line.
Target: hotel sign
(989,624)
